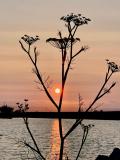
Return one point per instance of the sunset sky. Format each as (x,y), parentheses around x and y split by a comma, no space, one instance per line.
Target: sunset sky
(42,17)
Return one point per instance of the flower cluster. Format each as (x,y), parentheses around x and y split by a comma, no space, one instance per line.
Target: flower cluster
(30,40)
(62,43)
(76,19)
(113,66)
(23,108)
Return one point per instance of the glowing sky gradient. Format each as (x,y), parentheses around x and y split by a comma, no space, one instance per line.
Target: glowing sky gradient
(41,17)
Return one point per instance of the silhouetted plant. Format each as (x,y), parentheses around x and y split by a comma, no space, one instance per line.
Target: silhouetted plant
(23,108)
(86,129)
(65,45)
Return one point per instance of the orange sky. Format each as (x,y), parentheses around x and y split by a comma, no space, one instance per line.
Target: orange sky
(41,18)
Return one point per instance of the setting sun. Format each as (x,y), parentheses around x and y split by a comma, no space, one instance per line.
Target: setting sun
(57,90)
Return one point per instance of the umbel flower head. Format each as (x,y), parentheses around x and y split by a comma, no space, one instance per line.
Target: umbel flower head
(30,40)
(62,43)
(113,66)
(77,19)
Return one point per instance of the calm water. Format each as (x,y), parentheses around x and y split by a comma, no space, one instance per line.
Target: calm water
(102,138)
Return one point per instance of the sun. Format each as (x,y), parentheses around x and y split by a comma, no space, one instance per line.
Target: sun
(57,90)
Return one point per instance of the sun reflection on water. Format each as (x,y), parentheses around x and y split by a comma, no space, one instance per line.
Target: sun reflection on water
(54,140)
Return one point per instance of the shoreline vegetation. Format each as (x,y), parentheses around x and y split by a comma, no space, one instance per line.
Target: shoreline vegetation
(108,115)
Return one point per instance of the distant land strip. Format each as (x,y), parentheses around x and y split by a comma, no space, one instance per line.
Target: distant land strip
(113,115)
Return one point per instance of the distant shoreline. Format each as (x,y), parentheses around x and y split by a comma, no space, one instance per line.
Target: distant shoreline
(113,115)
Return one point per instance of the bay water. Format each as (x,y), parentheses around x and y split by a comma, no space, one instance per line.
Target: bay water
(102,138)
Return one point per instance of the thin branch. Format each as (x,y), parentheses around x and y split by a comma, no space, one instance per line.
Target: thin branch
(32,137)
(38,75)
(107,91)
(94,101)
(85,134)
(32,148)
(97,97)
(23,47)
(46,90)
(82,49)
(83,141)
(23,109)
(76,27)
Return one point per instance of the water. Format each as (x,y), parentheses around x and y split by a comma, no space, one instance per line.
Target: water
(102,138)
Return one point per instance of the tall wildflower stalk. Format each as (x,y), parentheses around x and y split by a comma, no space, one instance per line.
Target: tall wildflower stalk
(68,55)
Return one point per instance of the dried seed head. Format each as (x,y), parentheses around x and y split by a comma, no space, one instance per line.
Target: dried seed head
(77,19)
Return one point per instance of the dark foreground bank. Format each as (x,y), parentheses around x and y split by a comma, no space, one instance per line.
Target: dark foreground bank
(115,115)
(115,155)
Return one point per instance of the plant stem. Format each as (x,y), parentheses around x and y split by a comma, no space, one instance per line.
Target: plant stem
(61,149)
